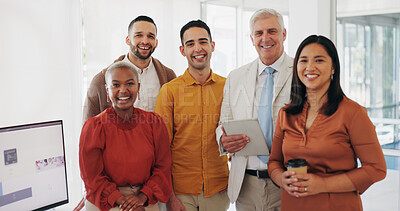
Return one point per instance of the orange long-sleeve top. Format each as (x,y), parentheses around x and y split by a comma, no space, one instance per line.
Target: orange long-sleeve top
(331,146)
(191,112)
(115,153)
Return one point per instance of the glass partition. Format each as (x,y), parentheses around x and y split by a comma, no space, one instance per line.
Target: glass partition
(229,25)
(369,48)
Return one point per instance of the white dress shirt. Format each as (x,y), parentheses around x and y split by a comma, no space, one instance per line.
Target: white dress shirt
(149,86)
(254,162)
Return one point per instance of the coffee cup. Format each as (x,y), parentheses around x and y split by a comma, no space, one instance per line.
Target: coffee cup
(297,165)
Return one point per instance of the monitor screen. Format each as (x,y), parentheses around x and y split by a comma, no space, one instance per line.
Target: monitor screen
(32,167)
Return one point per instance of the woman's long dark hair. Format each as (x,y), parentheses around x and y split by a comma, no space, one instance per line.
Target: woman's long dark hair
(298,91)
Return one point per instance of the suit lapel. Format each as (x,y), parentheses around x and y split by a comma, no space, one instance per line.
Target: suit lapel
(284,74)
(250,82)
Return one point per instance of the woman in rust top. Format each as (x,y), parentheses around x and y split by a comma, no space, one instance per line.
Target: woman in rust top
(327,129)
(124,153)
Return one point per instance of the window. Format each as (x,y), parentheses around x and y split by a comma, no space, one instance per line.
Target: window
(230,30)
(222,23)
(369,52)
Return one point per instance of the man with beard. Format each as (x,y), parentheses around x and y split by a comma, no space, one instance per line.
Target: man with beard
(142,41)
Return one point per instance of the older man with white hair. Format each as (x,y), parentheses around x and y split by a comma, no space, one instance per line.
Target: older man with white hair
(256,90)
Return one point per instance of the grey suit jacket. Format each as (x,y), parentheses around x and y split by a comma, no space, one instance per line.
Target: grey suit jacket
(239,93)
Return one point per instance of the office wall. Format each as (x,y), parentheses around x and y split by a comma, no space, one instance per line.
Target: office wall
(40,74)
(309,17)
(43,59)
(105,34)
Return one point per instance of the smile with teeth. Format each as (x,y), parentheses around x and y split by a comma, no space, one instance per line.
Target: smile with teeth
(267,46)
(144,48)
(123,98)
(199,56)
(311,76)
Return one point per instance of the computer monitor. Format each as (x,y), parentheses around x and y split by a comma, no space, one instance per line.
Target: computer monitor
(33,172)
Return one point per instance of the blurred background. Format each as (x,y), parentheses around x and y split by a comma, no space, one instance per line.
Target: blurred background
(51,49)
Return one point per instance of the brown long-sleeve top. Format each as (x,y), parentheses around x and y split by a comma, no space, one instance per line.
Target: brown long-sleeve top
(331,146)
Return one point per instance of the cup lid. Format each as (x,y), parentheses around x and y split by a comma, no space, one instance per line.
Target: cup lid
(293,163)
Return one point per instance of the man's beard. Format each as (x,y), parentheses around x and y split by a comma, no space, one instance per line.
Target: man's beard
(137,53)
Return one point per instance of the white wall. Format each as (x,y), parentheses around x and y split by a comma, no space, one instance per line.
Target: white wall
(40,78)
(106,26)
(282,5)
(307,17)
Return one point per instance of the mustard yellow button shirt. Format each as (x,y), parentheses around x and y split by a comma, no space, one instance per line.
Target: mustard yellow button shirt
(191,112)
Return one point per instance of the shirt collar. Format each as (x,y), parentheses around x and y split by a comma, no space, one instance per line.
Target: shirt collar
(189,80)
(150,66)
(276,65)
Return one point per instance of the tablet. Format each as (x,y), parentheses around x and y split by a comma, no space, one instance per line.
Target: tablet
(252,129)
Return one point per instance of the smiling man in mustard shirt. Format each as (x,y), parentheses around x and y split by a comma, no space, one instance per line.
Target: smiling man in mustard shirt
(190,107)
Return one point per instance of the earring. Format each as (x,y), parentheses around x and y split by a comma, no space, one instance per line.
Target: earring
(108,98)
(332,77)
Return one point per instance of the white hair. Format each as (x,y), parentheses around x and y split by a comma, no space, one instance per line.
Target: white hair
(265,13)
(121,64)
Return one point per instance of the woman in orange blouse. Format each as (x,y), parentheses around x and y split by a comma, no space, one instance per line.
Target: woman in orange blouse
(327,129)
(124,153)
